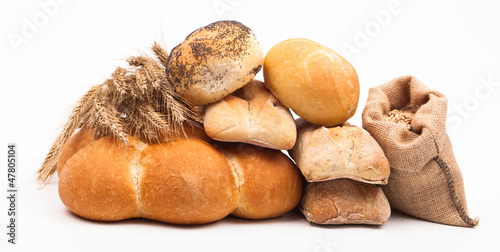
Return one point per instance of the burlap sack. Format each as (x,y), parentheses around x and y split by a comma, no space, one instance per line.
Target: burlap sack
(425,179)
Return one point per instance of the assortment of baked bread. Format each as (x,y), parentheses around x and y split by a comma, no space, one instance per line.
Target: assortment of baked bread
(236,164)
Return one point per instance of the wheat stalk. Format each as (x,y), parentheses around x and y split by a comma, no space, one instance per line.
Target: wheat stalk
(107,121)
(138,101)
(49,165)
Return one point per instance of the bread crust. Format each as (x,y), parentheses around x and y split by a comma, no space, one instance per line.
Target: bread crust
(181,181)
(269,183)
(186,182)
(189,132)
(339,152)
(314,81)
(96,182)
(344,201)
(251,115)
(214,61)
(78,141)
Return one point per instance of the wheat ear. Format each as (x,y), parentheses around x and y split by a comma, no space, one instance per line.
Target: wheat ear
(161,54)
(49,165)
(107,121)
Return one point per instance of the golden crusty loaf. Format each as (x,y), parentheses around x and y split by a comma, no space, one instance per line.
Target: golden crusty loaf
(251,115)
(345,201)
(339,152)
(314,81)
(181,182)
(214,61)
(269,183)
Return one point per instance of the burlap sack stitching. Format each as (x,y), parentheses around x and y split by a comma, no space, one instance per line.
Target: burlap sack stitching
(451,187)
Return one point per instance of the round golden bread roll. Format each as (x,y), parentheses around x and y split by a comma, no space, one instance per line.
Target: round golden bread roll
(251,115)
(181,182)
(269,183)
(214,61)
(314,81)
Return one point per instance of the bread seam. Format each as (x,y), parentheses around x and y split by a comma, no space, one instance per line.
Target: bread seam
(235,171)
(136,172)
(252,141)
(250,124)
(353,177)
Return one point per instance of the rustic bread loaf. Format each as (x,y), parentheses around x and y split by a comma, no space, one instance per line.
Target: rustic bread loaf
(251,115)
(345,201)
(339,152)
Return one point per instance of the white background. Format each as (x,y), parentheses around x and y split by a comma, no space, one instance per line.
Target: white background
(50,56)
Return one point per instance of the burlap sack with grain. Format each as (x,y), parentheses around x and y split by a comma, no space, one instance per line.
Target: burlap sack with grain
(425,179)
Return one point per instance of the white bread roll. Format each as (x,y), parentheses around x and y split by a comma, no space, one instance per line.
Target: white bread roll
(214,61)
(314,81)
(344,201)
(251,115)
(339,152)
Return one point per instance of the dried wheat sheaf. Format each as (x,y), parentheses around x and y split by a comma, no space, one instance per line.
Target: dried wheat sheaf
(137,101)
